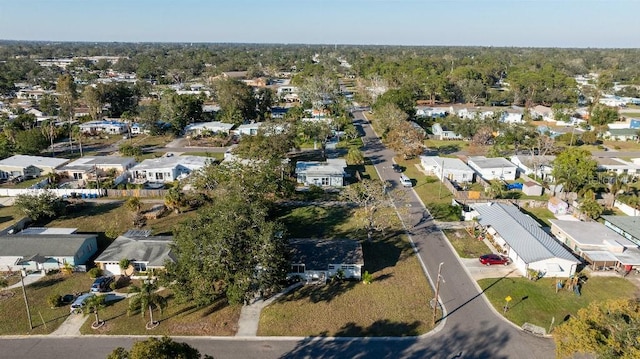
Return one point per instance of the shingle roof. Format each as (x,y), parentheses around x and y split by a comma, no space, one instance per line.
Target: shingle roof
(53,245)
(521,232)
(153,250)
(317,254)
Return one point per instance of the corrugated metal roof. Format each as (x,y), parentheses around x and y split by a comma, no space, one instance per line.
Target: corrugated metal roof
(521,232)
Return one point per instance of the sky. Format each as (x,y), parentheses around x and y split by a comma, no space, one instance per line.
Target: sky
(500,23)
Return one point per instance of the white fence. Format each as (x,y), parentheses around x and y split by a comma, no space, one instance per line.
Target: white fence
(628,210)
(60,192)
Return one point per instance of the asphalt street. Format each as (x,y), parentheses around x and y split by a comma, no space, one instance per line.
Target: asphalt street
(470,328)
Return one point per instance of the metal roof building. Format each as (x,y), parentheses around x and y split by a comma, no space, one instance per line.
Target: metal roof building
(524,240)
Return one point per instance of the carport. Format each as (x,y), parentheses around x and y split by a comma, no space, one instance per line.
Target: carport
(600,259)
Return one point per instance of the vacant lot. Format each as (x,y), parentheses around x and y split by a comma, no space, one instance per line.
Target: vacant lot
(45,319)
(537,302)
(384,307)
(218,319)
(466,246)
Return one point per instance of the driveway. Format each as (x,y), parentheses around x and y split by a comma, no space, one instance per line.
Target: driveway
(478,270)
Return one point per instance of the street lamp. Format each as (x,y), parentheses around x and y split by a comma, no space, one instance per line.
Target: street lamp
(435,298)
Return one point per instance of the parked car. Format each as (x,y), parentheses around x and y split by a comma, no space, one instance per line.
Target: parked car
(397,168)
(489,259)
(405,181)
(101,284)
(78,304)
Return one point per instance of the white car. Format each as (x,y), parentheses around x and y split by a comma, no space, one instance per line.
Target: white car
(405,181)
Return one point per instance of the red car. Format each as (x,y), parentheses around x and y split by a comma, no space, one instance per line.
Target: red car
(489,259)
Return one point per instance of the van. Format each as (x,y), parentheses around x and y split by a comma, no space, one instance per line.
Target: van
(78,304)
(405,181)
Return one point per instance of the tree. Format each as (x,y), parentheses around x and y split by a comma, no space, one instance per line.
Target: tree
(355,156)
(78,135)
(388,116)
(44,205)
(145,297)
(372,198)
(67,95)
(157,348)
(93,98)
(603,329)
(590,207)
(603,115)
(93,305)
(272,142)
(235,96)
(30,142)
(174,199)
(406,139)
(318,90)
(231,250)
(124,265)
(573,168)
(180,110)
(403,99)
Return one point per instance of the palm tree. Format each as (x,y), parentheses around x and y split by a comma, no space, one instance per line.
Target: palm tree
(174,199)
(92,305)
(145,297)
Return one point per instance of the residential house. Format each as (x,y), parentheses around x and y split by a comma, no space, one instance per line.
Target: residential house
(167,169)
(278,112)
(493,168)
(106,127)
(618,166)
(622,134)
(543,113)
(596,244)
(316,260)
(557,206)
(46,250)
(523,240)
(144,252)
(474,114)
(330,173)
(213,127)
(249,129)
(93,167)
(534,165)
(437,112)
(444,167)
(441,132)
(511,117)
(627,226)
(613,101)
(29,166)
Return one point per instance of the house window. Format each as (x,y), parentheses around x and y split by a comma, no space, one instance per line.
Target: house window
(331,266)
(140,267)
(159,176)
(297,268)
(325,181)
(77,176)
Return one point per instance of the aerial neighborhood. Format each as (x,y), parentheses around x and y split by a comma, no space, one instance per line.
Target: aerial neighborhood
(334,191)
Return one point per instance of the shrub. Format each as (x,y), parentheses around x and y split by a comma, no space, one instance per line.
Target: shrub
(95,273)
(113,285)
(54,300)
(367,277)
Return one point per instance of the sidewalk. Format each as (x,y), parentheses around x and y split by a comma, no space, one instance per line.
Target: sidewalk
(250,314)
(71,325)
(29,279)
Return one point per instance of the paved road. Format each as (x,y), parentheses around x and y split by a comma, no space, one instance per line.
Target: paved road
(471,329)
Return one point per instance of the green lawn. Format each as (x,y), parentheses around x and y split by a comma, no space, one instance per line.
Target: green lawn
(9,215)
(45,319)
(429,188)
(384,307)
(217,319)
(24,184)
(465,245)
(541,214)
(537,302)
(444,147)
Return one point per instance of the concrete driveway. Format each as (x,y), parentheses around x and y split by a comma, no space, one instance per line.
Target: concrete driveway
(481,271)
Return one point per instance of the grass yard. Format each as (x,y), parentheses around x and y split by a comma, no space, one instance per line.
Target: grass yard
(429,188)
(465,245)
(444,147)
(623,145)
(384,307)
(150,141)
(45,319)
(9,215)
(217,319)
(541,214)
(537,302)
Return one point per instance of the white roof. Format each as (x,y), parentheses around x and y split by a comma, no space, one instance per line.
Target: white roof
(249,126)
(592,233)
(446,162)
(24,161)
(47,231)
(334,166)
(494,162)
(213,126)
(86,162)
(190,162)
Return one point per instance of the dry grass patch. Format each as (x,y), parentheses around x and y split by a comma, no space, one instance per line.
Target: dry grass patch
(428,188)
(9,216)
(623,145)
(386,307)
(465,245)
(218,319)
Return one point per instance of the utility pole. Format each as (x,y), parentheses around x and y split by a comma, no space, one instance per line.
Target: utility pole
(441,181)
(26,302)
(435,299)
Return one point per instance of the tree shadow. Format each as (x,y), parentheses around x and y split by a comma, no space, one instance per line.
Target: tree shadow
(320,292)
(487,341)
(448,149)
(6,219)
(383,327)
(383,252)
(46,282)
(315,221)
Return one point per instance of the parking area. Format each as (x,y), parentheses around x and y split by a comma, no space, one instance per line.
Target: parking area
(481,271)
